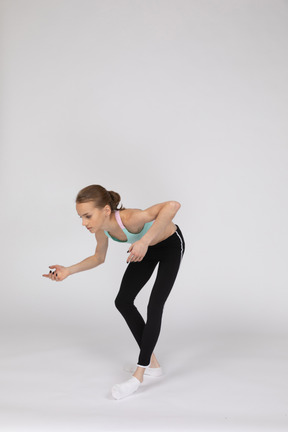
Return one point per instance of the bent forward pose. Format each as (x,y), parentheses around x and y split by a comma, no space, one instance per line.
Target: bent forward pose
(154,239)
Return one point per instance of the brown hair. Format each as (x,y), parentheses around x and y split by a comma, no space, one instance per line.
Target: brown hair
(100,196)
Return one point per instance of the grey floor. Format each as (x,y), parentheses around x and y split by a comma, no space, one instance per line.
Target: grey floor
(62,382)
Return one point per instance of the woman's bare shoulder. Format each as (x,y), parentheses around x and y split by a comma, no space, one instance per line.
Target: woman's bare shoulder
(147,215)
(133,218)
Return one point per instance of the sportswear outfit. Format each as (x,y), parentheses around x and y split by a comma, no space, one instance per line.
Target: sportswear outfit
(168,254)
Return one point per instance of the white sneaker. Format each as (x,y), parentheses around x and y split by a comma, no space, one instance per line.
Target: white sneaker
(125,388)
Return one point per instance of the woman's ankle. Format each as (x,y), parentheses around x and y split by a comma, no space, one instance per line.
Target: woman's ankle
(154,362)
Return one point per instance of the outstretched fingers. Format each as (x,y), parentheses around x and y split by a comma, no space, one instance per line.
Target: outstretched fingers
(51,275)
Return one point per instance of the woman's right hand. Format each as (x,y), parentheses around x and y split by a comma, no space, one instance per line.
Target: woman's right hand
(60,273)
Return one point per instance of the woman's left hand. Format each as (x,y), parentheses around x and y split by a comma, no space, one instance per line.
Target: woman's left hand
(137,251)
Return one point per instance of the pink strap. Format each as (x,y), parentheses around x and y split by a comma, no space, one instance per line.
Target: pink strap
(118,219)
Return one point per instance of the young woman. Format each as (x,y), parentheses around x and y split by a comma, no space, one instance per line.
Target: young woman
(154,239)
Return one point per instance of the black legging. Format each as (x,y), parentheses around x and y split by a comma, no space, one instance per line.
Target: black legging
(168,253)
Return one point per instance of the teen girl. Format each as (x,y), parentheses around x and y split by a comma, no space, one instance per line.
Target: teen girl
(154,239)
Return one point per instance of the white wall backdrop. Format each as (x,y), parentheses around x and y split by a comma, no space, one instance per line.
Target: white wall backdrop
(157,100)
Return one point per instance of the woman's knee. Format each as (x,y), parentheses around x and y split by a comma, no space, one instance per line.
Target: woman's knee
(122,303)
(118,302)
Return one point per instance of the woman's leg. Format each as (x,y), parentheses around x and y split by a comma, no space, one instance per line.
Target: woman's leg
(135,277)
(164,282)
(170,259)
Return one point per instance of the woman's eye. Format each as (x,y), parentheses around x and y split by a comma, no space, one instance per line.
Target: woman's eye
(88,217)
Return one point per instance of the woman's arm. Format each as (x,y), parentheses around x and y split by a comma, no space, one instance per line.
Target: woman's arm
(61,272)
(87,264)
(94,260)
(162,214)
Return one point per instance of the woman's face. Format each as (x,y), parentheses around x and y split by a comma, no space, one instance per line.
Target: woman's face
(92,218)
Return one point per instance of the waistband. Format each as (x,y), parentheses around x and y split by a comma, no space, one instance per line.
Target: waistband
(176,234)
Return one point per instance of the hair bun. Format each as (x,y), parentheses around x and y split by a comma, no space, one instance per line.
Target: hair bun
(100,196)
(115,200)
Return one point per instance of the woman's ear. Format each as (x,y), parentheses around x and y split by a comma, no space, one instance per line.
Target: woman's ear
(107,210)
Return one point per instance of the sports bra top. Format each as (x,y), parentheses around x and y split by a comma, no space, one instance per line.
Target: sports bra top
(131,237)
